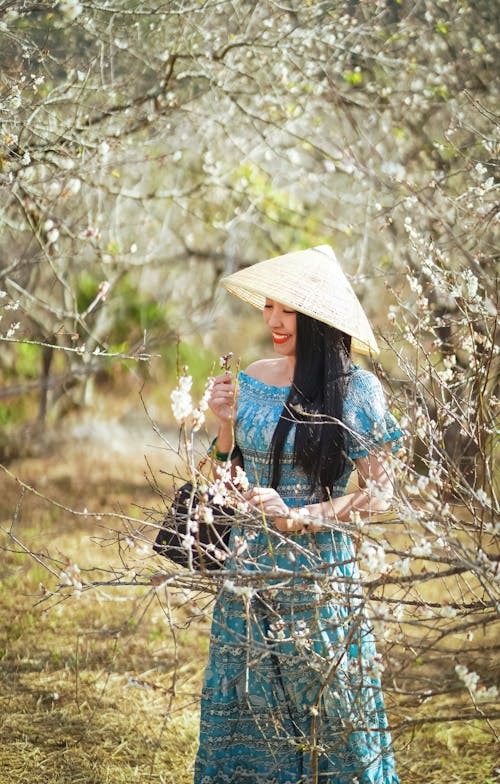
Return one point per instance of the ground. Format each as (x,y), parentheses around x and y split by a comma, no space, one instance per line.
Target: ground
(102,686)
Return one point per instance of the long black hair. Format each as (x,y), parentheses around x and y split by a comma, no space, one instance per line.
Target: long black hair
(314,405)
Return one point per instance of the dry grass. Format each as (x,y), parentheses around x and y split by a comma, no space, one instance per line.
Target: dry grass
(450,754)
(70,707)
(69,710)
(70,678)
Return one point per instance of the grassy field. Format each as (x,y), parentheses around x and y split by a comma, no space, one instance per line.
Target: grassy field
(103,688)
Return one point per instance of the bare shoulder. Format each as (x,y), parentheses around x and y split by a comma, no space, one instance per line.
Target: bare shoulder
(269,371)
(260,369)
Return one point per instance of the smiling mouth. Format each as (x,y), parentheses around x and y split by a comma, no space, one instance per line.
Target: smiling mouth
(279,338)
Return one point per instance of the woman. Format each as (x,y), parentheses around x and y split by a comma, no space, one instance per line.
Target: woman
(291,691)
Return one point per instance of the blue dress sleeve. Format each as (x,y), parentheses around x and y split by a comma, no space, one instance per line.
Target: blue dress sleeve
(369,423)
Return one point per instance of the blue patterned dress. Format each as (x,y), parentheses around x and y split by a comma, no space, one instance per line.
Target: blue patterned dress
(292,691)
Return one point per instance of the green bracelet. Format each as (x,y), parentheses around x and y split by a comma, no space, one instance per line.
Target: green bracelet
(221,456)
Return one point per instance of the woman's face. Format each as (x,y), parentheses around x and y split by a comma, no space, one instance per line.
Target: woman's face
(282,321)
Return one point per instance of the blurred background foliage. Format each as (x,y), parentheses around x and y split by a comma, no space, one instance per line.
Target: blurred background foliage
(152,147)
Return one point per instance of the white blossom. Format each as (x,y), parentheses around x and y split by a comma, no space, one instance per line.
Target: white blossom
(14,100)
(13,329)
(188,541)
(70,576)
(240,545)
(198,419)
(277,631)
(207,514)
(375,665)
(403,566)
(392,313)
(71,9)
(193,526)
(73,186)
(243,507)
(199,412)
(246,591)
(373,558)
(422,550)
(472,283)
(218,491)
(181,401)
(466,286)
(480,170)
(422,482)
(52,236)
(483,497)
(393,169)
(301,629)
(487,694)
(300,515)
(240,479)
(471,681)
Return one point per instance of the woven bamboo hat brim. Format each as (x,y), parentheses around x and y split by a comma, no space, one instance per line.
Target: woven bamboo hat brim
(311,282)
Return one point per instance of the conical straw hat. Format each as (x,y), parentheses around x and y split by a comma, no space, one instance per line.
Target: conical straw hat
(312,282)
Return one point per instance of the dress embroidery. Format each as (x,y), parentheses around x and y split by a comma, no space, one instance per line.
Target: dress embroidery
(291,692)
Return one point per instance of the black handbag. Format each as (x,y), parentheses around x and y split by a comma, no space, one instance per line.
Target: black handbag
(209,541)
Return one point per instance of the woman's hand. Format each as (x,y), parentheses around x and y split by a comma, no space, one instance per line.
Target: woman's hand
(224,397)
(268,501)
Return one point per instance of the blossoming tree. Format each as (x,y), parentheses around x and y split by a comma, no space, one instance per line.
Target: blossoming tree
(147,148)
